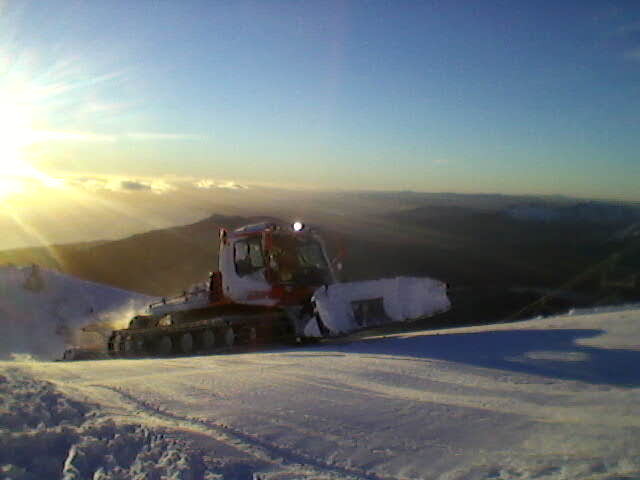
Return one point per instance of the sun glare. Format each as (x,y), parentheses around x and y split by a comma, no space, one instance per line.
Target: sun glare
(16,134)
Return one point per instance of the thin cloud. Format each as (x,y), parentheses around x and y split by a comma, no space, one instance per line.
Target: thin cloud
(134,186)
(232,186)
(207,183)
(89,183)
(158,185)
(120,184)
(51,135)
(160,136)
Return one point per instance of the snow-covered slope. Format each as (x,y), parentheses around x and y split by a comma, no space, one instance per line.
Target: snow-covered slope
(40,308)
(555,398)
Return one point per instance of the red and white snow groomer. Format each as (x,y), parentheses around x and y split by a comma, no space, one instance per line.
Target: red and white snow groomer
(274,282)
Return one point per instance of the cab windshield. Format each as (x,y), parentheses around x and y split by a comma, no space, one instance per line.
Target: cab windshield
(299,260)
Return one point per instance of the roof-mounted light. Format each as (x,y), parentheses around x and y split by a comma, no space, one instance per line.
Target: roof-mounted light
(297,226)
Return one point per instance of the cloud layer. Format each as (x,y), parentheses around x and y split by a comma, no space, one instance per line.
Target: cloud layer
(158,185)
(207,183)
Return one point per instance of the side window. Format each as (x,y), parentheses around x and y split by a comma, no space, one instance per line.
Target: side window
(247,255)
(240,251)
(255,253)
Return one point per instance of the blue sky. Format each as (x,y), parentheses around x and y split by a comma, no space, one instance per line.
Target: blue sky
(508,97)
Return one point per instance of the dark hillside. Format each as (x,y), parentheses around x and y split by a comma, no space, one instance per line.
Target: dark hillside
(486,256)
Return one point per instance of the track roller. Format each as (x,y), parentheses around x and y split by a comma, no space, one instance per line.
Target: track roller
(129,347)
(207,340)
(252,335)
(186,342)
(229,337)
(164,346)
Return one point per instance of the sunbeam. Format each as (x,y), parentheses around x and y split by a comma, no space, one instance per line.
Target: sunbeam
(17,118)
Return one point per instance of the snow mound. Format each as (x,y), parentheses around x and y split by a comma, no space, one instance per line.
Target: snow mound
(40,310)
(47,435)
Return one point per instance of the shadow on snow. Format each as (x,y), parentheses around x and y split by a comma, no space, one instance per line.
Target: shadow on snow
(549,353)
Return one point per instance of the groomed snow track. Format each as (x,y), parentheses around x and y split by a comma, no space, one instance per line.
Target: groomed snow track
(544,399)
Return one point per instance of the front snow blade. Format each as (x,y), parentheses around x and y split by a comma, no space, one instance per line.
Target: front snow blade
(370,312)
(346,307)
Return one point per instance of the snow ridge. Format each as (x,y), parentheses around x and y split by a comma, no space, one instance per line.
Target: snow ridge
(41,309)
(47,435)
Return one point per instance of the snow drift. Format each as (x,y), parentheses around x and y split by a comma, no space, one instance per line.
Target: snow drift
(41,310)
(49,435)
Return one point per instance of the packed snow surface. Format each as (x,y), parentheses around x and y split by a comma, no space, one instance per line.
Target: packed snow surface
(41,310)
(554,398)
